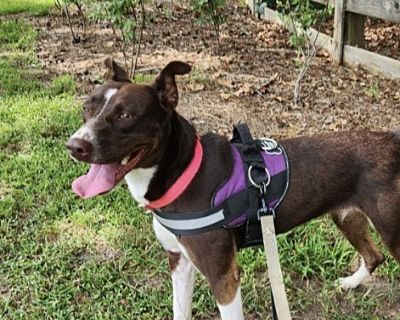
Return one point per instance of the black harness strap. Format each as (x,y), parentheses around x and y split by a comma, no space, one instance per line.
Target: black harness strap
(254,165)
(245,206)
(250,152)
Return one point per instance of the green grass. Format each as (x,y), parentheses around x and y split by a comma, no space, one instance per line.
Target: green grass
(64,258)
(15,34)
(36,7)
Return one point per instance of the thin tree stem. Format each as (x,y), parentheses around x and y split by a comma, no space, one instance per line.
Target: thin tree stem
(143,19)
(75,39)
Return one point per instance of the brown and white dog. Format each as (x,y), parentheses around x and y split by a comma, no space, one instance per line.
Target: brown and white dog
(134,132)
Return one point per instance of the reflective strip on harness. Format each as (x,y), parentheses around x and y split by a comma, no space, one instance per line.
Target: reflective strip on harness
(182,223)
(238,202)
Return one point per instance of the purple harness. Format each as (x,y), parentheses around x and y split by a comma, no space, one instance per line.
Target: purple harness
(256,186)
(275,164)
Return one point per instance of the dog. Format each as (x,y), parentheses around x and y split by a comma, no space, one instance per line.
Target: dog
(134,132)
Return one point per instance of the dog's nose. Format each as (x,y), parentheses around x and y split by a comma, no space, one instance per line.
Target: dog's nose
(79,148)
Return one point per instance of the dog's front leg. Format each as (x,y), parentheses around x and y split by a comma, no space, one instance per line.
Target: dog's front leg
(232,310)
(226,289)
(183,274)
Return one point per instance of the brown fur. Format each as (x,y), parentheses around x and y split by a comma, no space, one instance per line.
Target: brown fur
(331,172)
(173,259)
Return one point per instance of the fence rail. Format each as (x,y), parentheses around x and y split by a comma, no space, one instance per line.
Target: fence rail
(348,39)
(382,9)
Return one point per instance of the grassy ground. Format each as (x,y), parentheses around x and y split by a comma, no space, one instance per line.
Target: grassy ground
(36,7)
(63,258)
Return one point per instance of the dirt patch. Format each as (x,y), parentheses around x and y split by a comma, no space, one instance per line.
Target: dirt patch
(249,77)
(95,247)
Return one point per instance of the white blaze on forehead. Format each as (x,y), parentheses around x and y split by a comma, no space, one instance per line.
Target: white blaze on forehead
(108,95)
(86,132)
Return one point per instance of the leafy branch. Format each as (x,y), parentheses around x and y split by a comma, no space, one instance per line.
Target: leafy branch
(127,19)
(300,16)
(64,7)
(210,12)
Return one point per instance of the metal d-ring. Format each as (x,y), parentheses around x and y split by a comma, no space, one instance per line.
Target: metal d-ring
(264,184)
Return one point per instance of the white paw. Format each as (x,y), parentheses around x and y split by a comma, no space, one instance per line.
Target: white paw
(356,278)
(347,283)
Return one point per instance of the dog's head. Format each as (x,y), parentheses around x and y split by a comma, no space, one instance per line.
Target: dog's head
(125,124)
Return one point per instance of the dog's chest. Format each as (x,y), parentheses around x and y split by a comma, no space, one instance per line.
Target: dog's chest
(138,181)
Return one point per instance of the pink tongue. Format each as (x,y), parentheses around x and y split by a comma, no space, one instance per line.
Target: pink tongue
(99,179)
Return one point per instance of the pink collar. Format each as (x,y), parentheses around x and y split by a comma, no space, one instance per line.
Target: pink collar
(182,182)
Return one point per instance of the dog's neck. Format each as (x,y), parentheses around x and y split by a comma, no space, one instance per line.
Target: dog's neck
(138,181)
(148,184)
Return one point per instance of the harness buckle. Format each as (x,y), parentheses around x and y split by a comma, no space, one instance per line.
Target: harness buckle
(264,209)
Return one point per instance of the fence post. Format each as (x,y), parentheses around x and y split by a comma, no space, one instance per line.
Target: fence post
(338,32)
(252,5)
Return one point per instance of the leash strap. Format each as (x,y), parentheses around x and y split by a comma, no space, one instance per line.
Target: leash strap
(274,316)
(280,302)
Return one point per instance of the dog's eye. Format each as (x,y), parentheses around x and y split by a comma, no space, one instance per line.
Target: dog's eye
(124,116)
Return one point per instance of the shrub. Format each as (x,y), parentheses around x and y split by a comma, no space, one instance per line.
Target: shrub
(210,12)
(127,19)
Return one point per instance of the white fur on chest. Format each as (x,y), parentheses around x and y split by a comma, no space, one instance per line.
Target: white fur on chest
(138,181)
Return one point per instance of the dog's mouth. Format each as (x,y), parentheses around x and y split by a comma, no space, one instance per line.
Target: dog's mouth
(102,178)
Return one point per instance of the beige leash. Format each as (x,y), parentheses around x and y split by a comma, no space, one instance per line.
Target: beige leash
(274,268)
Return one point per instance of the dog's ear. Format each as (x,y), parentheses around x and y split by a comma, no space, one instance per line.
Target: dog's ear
(115,72)
(165,82)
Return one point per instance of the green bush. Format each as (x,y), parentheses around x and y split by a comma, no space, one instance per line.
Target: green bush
(301,15)
(128,18)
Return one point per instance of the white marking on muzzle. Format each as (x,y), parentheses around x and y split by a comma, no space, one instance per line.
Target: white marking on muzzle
(85,132)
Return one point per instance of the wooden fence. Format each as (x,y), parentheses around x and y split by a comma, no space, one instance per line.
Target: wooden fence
(348,36)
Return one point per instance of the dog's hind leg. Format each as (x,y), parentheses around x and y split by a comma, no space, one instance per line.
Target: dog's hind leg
(386,220)
(354,226)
